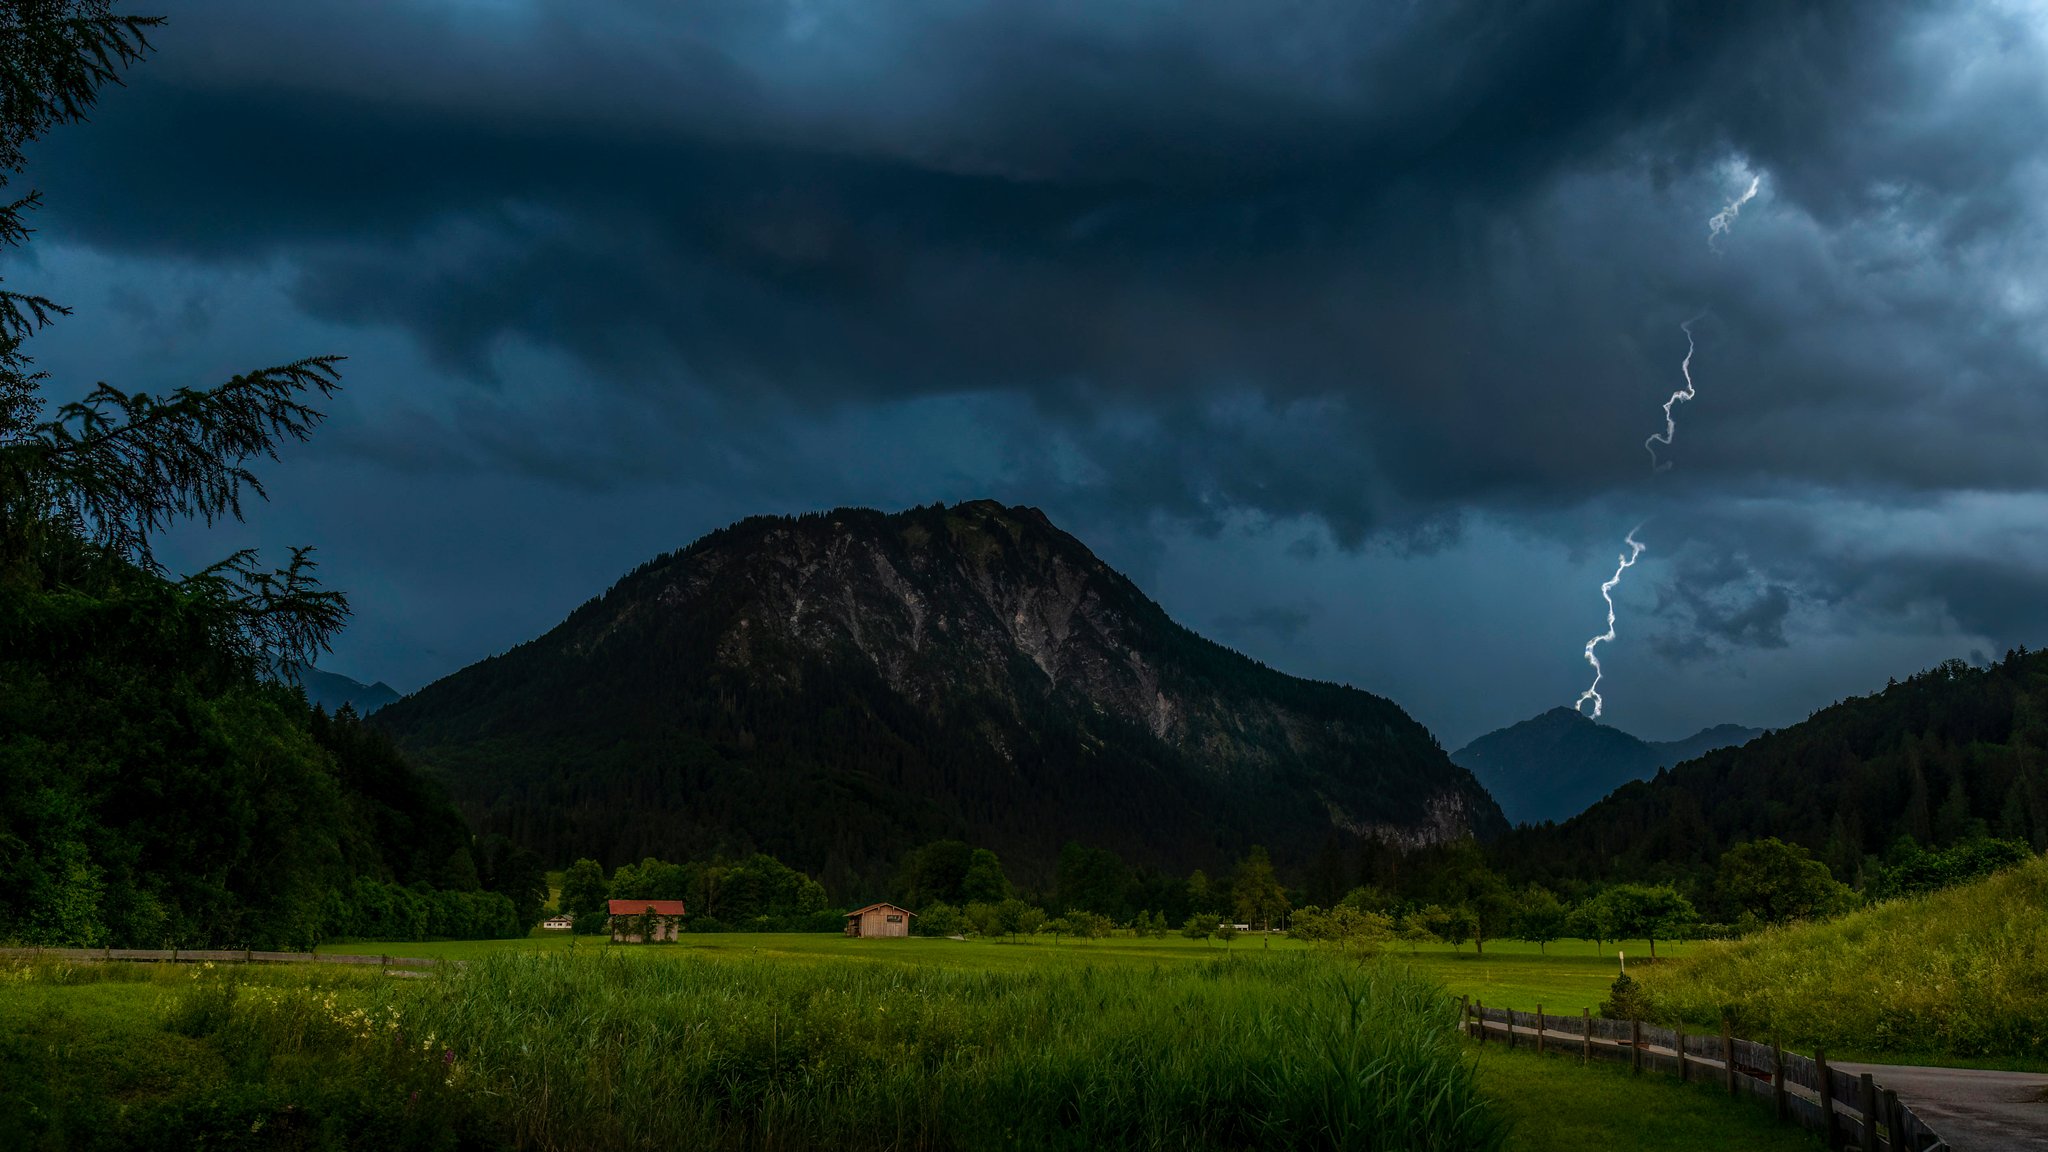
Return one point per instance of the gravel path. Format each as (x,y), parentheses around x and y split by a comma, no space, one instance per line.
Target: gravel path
(1974,1110)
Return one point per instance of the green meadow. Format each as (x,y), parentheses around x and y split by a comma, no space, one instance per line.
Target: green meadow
(1565,977)
(758,1041)
(1957,976)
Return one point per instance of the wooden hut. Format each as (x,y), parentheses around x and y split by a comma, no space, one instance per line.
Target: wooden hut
(879,920)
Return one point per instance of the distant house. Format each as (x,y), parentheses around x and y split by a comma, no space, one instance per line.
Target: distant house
(561,923)
(879,920)
(637,921)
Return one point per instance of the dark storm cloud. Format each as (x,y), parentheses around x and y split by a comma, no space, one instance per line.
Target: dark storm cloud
(1713,603)
(1366,264)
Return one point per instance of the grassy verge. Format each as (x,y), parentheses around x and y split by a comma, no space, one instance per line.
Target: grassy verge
(1956,976)
(1556,1104)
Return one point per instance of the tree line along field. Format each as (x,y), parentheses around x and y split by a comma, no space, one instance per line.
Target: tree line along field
(801,1042)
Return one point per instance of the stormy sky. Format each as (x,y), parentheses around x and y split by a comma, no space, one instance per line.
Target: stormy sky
(1339,326)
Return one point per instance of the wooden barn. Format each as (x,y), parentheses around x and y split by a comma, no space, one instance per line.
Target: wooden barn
(632,920)
(879,920)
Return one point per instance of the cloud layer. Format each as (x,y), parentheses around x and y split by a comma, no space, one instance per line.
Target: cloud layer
(1354,274)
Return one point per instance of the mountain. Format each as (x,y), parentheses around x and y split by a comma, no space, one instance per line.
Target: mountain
(331,690)
(1948,755)
(1555,765)
(838,687)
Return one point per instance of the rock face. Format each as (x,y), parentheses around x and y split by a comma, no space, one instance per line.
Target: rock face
(1556,765)
(838,687)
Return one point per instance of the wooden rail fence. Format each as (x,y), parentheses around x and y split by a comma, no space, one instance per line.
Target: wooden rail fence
(1852,1112)
(397,964)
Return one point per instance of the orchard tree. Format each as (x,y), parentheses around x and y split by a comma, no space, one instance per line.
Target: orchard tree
(1539,916)
(1642,912)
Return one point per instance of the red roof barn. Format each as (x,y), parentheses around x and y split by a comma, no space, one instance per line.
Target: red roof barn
(629,919)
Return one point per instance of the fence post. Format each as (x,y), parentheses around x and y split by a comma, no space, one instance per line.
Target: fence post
(1678,1031)
(1778,1097)
(1465,1015)
(1894,1123)
(1481,1005)
(1511,1026)
(1635,1046)
(1830,1127)
(1587,1020)
(1869,1105)
(1539,1029)
(1728,1051)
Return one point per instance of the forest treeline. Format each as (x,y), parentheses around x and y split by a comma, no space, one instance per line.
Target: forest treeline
(158,785)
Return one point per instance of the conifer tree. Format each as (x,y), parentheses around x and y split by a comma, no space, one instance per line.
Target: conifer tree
(82,494)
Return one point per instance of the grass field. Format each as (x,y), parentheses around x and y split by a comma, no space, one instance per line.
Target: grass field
(1564,978)
(110,1053)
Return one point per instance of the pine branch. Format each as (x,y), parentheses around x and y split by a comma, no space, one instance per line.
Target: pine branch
(279,618)
(55,55)
(120,467)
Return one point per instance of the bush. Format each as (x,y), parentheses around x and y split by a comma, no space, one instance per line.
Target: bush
(1345,925)
(1626,1000)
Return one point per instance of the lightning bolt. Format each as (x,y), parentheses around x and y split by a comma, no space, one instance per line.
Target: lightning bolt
(1678,397)
(1720,222)
(1607,593)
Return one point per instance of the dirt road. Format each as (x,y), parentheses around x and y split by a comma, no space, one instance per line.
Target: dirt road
(1974,1110)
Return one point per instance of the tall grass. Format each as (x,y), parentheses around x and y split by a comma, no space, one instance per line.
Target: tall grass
(139,1057)
(1295,1051)
(1963,972)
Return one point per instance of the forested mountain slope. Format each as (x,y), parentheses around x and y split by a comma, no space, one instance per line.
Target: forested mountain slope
(838,687)
(1556,765)
(1949,754)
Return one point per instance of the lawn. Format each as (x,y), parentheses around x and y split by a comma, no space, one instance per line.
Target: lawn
(1556,1104)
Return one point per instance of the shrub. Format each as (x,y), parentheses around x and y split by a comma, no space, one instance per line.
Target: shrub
(1625,1000)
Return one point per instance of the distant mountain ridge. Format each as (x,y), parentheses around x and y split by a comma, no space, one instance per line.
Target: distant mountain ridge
(1946,756)
(838,687)
(1557,764)
(331,690)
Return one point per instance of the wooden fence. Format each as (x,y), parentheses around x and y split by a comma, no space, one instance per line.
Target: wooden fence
(399,964)
(1852,1112)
